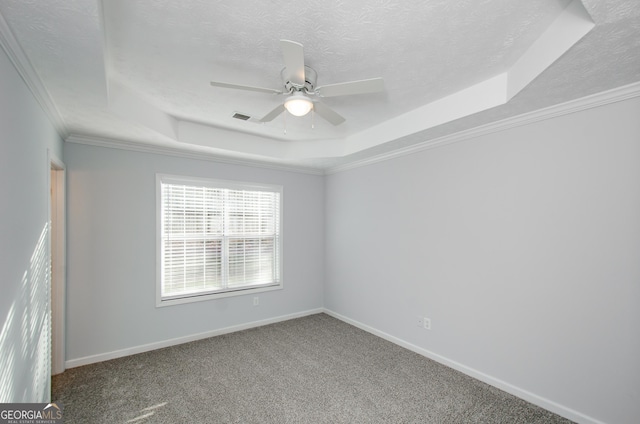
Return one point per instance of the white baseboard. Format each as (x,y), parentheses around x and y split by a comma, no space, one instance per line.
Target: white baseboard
(500,384)
(495,382)
(72,363)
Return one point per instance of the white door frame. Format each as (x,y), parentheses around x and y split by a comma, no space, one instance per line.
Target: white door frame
(57,220)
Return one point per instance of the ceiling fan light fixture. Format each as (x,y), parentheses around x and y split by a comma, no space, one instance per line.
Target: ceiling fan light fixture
(298,104)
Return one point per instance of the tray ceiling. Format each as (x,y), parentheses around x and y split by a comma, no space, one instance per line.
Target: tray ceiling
(138,72)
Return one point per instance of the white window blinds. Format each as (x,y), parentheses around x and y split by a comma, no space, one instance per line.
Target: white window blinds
(217,236)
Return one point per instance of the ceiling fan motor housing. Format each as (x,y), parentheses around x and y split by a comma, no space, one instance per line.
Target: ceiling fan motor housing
(310,79)
(300,88)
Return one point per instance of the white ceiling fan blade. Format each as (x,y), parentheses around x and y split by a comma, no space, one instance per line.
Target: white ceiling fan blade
(327,113)
(245,87)
(293,56)
(273,114)
(372,85)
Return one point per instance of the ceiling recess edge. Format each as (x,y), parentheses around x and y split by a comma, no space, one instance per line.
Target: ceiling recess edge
(30,77)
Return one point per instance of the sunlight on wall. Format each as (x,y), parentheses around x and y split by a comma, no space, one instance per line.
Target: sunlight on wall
(7,357)
(25,339)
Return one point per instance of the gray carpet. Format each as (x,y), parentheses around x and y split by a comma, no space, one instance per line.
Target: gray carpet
(315,369)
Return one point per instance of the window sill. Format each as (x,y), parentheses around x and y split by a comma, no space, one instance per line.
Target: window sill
(212,296)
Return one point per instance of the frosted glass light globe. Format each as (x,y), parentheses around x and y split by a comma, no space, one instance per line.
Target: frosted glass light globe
(298,104)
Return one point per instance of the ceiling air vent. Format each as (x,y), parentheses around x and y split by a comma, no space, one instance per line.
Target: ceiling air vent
(241,116)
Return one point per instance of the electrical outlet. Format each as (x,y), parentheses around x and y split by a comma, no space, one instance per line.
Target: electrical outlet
(420,322)
(426,323)
(256,301)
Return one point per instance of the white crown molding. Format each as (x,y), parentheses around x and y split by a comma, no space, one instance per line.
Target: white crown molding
(573,106)
(30,77)
(185,153)
(584,103)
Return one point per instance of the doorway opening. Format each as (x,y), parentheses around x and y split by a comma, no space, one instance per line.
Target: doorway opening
(57,219)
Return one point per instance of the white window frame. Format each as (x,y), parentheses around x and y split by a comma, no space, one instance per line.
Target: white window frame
(215,183)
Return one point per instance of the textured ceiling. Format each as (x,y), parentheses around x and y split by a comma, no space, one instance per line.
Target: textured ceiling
(139,71)
(238,41)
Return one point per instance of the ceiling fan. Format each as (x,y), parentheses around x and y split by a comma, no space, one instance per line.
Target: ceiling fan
(300,88)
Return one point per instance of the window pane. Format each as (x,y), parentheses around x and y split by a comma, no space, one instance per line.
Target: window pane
(192,265)
(251,261)
(216,238)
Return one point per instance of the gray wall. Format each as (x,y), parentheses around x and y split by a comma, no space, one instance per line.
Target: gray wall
(24,252)
(111,260)
(523,247)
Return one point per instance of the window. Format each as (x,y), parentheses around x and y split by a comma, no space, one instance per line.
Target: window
(216,238)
